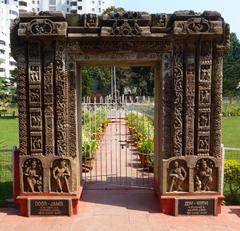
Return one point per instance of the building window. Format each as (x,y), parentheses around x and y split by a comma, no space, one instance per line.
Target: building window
(2,69)
(33,2)
(12,63)
(67,2)
(52,8)
(73,3)
(2,51)
(79,0)
(38,2)
(13,12)
(73,11)
(2,42)
(80,7)
(93,2)
(67,9)
(99,10)
(22,3)
(52,2)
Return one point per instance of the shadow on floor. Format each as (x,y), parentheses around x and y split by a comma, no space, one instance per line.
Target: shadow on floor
(235,211)
(131,199)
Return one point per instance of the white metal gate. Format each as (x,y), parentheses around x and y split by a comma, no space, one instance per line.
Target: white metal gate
(110,150)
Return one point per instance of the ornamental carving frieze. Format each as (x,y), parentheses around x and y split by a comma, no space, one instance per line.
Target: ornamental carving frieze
(125,28)
(35,119)
(34,74)
(105,46)
(35,96)
(90,20)
(32,175)
(36,142)
(198,25)
(43,27)
(159,20)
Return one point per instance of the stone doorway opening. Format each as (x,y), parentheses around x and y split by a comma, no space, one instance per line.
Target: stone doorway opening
(117,126)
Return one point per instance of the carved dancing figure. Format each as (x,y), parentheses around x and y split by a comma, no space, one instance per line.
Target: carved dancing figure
(33,179)
(204,120)
(61,174)
(204,177)
(178,175)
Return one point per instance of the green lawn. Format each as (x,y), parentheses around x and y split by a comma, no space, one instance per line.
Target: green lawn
(231,132)
(8,133)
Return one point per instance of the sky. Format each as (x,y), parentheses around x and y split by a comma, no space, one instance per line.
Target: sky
(229,9)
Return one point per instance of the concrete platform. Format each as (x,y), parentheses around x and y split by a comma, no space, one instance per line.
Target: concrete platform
(123,210)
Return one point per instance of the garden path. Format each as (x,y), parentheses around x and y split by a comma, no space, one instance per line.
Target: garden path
(117,163)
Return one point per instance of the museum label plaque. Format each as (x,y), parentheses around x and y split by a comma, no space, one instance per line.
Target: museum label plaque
(49,207)
(195,207)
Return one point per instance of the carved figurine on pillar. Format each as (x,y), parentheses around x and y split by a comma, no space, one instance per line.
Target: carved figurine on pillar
(177,174)
(32,177)
(61,173)
(204,177)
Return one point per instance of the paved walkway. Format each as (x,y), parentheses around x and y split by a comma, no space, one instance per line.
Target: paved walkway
(117,162)
(120,210)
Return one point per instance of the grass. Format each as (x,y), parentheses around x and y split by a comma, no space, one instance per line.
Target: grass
(231,132)
(8,133)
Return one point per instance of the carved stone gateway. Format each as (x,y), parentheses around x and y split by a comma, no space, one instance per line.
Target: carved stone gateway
(185,48)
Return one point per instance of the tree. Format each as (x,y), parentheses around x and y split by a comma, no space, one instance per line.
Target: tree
(113,9)
(231,68)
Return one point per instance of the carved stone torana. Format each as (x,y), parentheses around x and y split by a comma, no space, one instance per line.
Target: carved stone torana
(61,173)
(33,175)
(187,50)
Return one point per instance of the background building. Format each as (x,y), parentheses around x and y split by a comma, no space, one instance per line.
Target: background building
(9,9)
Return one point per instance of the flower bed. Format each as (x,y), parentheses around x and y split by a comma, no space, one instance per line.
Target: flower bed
(93,127)
(142,131)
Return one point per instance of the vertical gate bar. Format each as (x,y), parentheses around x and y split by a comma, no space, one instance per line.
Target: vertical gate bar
(116,139)
(126,136)
(95,118)
(102,140)
(111,142)
(137,180)
(107,141)
(120,150)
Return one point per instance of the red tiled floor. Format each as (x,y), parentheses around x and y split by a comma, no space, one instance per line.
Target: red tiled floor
(114,210)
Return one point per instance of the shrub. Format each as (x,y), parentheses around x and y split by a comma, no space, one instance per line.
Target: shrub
(232,179)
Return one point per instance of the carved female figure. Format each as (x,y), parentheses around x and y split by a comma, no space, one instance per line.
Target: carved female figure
(204,177)
(61,174)
(178,175)
(32,178)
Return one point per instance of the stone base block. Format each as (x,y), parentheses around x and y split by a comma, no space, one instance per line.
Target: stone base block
(190,204)
(45,204)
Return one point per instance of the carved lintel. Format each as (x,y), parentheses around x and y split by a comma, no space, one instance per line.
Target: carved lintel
(42,27)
